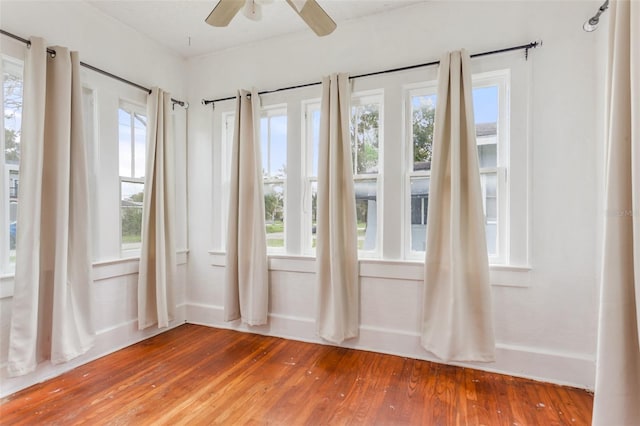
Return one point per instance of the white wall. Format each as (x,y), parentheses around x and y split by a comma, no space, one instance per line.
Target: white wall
(107,44)
(545,313)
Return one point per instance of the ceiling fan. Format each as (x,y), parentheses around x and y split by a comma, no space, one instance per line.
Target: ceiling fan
(309,10)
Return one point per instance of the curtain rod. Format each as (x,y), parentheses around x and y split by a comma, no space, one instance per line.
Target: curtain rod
(96,69)
(524,47)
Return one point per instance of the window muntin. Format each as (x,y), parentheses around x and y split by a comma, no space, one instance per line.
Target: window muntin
(12,92)
(490,106)
(132,127)
(273,139)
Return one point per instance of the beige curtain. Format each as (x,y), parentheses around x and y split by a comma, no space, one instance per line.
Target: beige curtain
(246,276)
(51,312)
(457,320)
(617,395)
(156,279)
(336,250)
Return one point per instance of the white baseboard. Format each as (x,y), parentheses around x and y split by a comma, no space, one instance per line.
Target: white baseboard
(562,368)
(107,341)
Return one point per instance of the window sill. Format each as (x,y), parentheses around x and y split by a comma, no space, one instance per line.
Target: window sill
(411,270)
(102,270)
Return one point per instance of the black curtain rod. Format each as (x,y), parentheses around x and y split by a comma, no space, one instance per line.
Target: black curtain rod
(524,47)
(96,69)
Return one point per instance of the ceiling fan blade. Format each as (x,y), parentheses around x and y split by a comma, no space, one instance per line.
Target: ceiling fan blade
(317,19)
(253,10)
(224,12)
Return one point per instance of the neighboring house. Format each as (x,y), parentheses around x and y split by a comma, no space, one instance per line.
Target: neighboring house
(486,134)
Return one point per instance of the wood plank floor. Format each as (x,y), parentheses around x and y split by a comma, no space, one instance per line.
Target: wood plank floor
(195,375)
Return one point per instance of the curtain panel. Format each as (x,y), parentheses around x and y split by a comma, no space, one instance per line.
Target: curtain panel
(51,312)
(617,392)
(246,274)
(457,322)
(156,279)
(337,316)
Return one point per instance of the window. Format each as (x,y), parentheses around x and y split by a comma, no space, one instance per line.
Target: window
(365,153)
(310,196)
(273,137)
(422,107)
(12,84)
(132,129)
(490,110)
(365,149)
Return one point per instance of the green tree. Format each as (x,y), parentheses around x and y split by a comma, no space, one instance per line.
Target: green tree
(273,204)
(11,145)
(12,94)
(132,217)
(422,123)
(365,137)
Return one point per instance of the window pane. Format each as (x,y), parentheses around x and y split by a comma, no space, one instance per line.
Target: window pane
(315,141)
(423,109)
(12,85)
(278,137)
(485,104)
(366,192)
(140,143)
(490,191)
(488,154)
(419,208)
(314,213)
(124,148)
(274,214)
(485,110)
(264,148)
(131,214)
(273,134)
(365,138)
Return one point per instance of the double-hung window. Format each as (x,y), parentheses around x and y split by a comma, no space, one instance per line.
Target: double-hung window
(310,191)
(421,113)
(365,134)
(365,130)
(132,130)
(12,85)
(273,138)
(490,100)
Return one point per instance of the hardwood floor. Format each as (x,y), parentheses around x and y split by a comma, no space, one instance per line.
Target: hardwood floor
(195,375)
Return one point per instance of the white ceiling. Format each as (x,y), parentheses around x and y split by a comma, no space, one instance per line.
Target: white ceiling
(179,24)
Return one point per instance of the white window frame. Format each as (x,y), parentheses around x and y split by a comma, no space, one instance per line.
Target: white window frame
(132,109)
(500,78)
(270,112)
